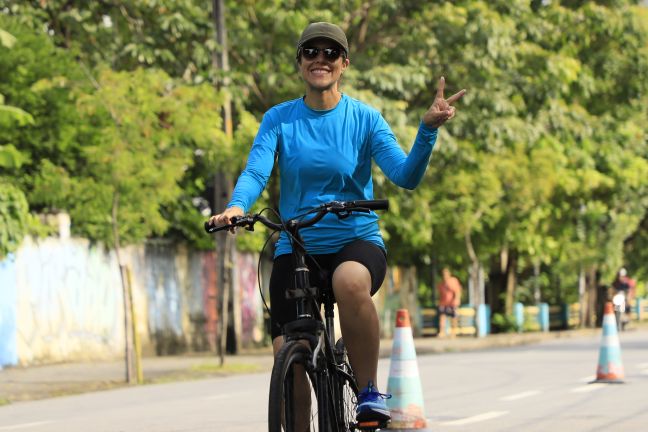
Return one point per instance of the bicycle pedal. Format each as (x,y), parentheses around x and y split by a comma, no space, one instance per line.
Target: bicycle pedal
(371,425)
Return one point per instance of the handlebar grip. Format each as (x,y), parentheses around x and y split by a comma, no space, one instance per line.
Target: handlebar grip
(213,228)
(372,204)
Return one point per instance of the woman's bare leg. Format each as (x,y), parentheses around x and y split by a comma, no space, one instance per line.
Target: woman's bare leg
(358,319)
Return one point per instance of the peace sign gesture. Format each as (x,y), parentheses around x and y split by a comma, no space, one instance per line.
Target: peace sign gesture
(441,110)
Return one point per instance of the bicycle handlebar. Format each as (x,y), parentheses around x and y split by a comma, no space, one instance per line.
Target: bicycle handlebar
(371,204)
(340,208)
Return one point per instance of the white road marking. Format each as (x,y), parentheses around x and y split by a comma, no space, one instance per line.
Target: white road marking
(475,419)
(24,425)
(643,368)
(520,395)
(588,388)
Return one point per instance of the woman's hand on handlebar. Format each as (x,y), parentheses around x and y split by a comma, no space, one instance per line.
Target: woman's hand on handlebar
(225,218)
(342,209)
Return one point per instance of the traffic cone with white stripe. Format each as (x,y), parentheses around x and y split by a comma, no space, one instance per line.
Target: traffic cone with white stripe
(610,368)
(406,403)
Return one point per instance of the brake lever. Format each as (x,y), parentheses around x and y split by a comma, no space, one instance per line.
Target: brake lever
(361,209)
(246,222)
(346,212)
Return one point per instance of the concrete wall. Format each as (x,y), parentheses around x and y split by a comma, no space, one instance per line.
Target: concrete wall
(8,302)
(61,300)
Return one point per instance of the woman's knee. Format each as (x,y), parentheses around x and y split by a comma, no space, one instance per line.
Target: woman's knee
(351,279)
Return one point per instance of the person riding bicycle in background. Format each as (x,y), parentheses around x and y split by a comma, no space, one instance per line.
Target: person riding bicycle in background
(627,285)
(324,143)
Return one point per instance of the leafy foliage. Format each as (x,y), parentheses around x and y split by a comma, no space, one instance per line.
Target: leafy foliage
(546,160)
(14,217)
(147,132)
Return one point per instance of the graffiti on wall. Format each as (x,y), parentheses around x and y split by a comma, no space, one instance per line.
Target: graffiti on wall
(68,302)
(61,300)
(165,300)
(181,296)
(209,298)
(251,304)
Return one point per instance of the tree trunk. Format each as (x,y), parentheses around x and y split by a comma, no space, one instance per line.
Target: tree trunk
(137,345)
(224,265)
(510,283)
(537,296)
(475,285)
(592,297)
(223,185)
(128,322)
(221,63)
(582,296)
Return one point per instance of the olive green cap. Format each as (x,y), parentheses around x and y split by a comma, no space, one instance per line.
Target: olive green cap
(324,30)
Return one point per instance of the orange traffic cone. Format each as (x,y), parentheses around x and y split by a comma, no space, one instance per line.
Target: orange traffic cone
(406,403)
(610,369)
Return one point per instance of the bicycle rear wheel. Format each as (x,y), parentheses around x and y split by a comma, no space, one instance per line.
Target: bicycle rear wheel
(345,390)
(294,393)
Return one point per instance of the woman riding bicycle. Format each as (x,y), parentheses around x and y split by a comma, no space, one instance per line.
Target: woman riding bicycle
(324,143)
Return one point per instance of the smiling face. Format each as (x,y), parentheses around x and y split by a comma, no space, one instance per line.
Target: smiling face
(321,73)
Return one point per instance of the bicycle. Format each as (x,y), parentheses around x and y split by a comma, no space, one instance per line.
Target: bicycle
(310,350)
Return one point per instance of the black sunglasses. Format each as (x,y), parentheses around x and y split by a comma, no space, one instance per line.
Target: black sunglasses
(330,54)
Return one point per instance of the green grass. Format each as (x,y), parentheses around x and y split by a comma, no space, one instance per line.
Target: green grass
(4,401)
(226,368)
(204,370)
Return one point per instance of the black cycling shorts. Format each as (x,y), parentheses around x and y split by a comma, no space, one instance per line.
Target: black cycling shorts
(450,311)
(283,310)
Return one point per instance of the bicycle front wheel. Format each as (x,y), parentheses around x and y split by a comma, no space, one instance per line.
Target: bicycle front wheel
(294,391)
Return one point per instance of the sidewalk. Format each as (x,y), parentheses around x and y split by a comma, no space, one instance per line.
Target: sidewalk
(39,382)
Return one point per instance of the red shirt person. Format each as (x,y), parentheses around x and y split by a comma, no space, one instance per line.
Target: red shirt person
(449,290)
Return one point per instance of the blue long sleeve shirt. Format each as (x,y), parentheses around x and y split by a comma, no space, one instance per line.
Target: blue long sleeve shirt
(326,156)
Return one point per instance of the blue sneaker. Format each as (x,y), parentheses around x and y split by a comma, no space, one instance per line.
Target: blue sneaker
(371,405)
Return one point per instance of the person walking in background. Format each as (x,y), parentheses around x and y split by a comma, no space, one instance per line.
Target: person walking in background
(449,290)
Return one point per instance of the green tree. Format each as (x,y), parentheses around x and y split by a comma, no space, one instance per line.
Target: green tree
(540,180)
(146,133)
(176,36)
(14,218)
(14,210)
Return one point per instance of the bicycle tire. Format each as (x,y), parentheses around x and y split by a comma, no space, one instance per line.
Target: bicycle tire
(345,389)
(291,361)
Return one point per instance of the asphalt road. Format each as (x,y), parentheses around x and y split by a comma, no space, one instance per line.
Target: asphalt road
(542,387)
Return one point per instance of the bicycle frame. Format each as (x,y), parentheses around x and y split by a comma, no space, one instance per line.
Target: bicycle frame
(326,360)
(309,324)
